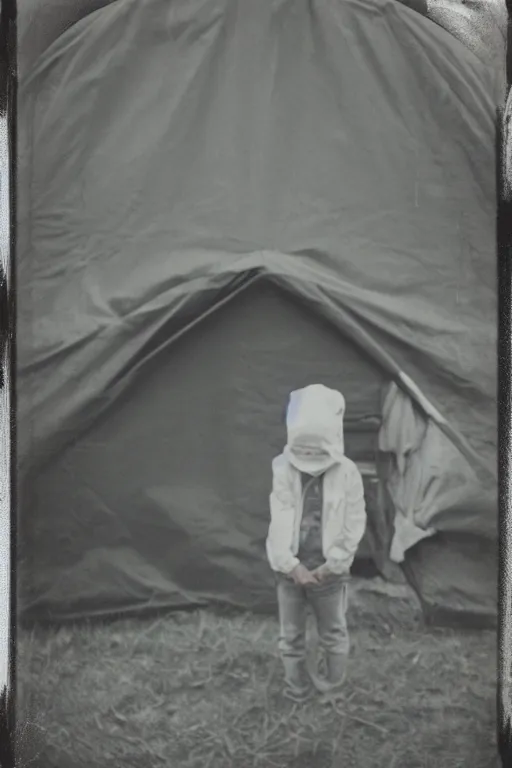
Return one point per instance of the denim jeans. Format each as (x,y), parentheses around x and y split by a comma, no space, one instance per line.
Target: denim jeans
(328,603)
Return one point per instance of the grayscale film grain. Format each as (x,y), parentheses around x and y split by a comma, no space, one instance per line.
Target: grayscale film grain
(222,203)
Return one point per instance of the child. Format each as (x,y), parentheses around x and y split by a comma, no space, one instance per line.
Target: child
(318,518)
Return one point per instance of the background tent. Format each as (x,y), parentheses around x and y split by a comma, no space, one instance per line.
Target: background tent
(220,202)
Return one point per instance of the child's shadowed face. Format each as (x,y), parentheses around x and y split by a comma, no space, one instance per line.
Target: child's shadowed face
(309,450)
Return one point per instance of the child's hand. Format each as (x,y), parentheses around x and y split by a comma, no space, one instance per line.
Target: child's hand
(302,576)
(321,573)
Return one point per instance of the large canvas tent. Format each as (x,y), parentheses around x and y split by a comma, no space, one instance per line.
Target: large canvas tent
(222,201)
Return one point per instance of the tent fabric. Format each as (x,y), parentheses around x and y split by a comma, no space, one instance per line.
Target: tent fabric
(42,22)
(430,479)
(481,26)
(402,434)
(178,154)
(453,575)
(149,523)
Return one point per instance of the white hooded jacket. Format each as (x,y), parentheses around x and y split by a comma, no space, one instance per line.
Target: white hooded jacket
(315,445)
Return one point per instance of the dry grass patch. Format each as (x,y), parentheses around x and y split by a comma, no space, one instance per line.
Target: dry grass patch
(204,689)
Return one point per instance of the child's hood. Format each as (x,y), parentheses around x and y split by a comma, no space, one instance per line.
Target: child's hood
(314,423)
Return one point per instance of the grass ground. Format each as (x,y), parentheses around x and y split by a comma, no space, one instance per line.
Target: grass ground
(204,689)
